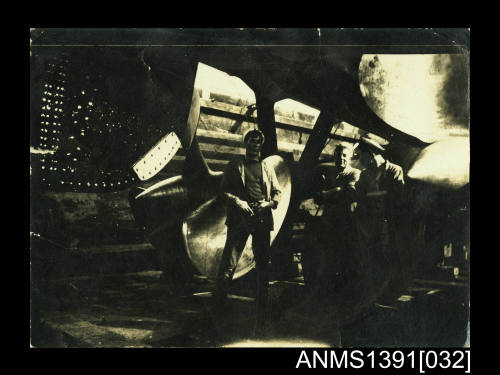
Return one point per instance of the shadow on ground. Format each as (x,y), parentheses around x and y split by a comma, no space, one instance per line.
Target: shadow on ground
(140,310)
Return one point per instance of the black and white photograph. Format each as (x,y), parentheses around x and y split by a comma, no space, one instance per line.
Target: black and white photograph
(249,187)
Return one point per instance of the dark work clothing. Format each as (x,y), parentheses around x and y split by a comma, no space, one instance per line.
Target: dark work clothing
(242,180)
(391,177)
(337,203)
(233,186)
(235,243)
(380,212)
(334,237)
(380,194)
(253,180)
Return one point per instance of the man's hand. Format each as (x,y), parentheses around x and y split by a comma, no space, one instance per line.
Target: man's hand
(244,207)
(265,204)
(327,195)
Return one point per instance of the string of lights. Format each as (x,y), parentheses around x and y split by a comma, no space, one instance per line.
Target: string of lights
(83,138)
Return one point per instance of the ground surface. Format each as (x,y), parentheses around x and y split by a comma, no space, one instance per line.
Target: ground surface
(140,310)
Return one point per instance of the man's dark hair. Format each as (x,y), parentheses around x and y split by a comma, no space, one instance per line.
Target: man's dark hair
(253,133)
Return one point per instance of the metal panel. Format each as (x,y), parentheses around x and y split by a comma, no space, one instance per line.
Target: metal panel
(158,157)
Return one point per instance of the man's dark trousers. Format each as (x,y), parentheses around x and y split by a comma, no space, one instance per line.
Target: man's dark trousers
(237,236)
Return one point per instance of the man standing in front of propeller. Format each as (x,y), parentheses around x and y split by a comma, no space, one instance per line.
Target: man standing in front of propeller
(334,239)
(381,213)
(250,190)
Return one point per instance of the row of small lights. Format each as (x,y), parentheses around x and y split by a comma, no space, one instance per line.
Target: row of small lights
(89,184)
(50,105)
(48,94)
(56,109)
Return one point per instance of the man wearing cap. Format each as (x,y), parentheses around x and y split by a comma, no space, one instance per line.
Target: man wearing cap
(334,234)
(250,189)
(380,198)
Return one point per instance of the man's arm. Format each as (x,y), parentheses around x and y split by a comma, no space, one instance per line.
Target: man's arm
(227,190)
(349,191)
(397,177)
(275,188)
